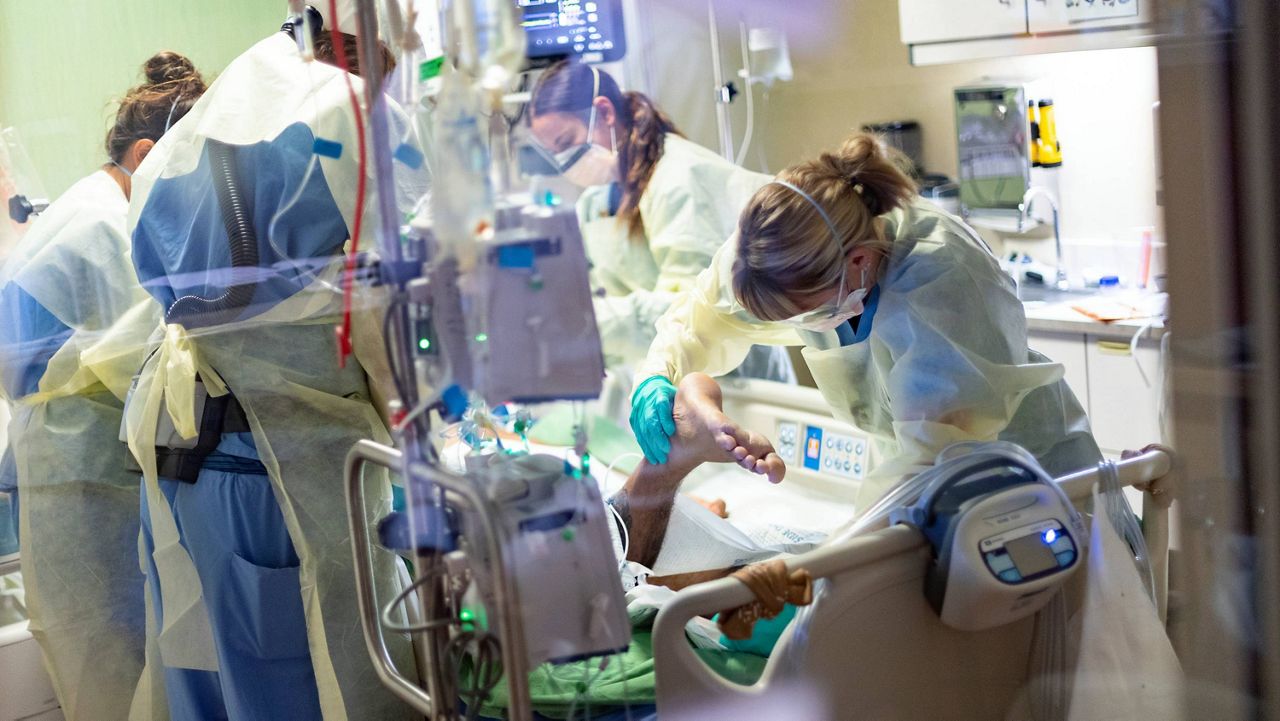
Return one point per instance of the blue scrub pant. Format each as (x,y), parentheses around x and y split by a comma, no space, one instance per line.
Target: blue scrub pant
(8,502)
(8,521)
(231,525)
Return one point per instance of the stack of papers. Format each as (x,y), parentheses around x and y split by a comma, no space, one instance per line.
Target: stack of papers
(1108,310)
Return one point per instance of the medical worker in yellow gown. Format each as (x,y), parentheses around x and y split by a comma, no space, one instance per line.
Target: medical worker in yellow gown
(67,282)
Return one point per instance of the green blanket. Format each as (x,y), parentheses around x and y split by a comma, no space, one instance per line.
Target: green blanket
(628,679)
(606,442)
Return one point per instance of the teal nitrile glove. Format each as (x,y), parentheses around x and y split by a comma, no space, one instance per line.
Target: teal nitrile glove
(651,417)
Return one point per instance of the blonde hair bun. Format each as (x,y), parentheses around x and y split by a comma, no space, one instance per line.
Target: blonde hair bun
(785,247)
(873,169)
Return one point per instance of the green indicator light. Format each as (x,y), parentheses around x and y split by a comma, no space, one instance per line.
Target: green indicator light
(467,615)
(424,344)
(482,337)
(567,534)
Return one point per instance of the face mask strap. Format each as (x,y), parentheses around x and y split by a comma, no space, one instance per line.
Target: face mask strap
(171,109)
(595,93)
(844,271)
(122,169)
(825,218)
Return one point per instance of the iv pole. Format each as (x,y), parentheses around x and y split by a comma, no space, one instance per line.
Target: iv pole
(723,93)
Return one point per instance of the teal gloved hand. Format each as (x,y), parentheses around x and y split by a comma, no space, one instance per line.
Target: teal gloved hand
(652,421)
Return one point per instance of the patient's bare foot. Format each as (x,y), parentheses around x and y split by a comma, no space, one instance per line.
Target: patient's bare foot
(705,434)
(755,453)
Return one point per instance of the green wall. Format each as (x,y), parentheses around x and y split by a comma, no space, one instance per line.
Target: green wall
(63,63)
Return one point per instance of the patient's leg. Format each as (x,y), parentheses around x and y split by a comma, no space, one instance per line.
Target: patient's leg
(703,435)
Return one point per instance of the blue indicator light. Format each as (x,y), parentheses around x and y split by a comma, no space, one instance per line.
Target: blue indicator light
(1050,535)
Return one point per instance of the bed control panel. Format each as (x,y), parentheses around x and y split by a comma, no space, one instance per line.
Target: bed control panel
(824,455)
(822,450)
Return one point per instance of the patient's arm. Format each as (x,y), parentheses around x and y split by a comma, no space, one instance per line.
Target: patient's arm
(678,581)
(703,435)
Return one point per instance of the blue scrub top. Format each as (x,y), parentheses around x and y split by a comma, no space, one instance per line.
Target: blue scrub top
(29,337)
(180,243)
(8,471)
(858,328)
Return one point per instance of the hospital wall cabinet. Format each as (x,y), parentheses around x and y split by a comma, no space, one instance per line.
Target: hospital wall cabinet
(1124,393)
(1119,388)
(1056,16)
(946,31)
(931,21)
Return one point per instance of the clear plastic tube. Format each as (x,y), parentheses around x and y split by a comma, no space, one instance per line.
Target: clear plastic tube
(1049,691)
(747,81)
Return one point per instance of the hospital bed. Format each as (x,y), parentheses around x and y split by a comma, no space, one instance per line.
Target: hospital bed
(878,577)
(826,459)
(875,648)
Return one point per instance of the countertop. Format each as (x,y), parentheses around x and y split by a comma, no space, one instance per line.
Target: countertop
(1060,317)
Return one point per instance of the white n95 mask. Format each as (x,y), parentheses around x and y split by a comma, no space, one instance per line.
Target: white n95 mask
(825,319)
(590,164)
(828,318)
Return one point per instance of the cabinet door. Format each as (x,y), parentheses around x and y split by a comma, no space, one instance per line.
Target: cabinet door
(1069,350)
(931,21)
(1047,16)
(1123,407)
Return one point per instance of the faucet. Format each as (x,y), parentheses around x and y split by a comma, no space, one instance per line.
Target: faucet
(1024,208)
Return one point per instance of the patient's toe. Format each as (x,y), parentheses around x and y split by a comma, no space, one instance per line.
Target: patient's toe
(772,466)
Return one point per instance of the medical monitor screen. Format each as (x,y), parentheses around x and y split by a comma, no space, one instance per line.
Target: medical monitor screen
(1031,556)
(590,30)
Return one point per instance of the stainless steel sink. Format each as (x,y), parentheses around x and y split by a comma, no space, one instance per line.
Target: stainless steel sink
(1030,293)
